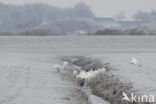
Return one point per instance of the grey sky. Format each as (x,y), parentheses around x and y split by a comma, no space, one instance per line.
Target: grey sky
(105,8)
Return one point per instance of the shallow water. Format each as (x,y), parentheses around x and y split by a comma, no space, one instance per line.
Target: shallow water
(26,65)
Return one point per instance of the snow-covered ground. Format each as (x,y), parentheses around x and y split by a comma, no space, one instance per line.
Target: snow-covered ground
(26,65)
(143,77)
(27,75)
(118,50)
(27,78)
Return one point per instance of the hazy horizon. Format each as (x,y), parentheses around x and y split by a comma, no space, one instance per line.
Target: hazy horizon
(104,8)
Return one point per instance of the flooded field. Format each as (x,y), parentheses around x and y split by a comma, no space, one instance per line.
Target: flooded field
(26,66)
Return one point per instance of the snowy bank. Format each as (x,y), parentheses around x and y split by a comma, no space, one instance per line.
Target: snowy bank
(106,85)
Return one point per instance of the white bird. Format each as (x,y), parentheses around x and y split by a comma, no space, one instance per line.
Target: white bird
(88,76)
(58,67)
(62,67)
(65,64)
(81,75)
(75,73)
(135,62)
(99,71)
(102,70)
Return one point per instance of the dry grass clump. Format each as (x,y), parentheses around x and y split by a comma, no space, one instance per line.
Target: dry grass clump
(87,63)
(110,88)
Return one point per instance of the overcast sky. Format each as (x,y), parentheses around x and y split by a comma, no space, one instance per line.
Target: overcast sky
(107,8)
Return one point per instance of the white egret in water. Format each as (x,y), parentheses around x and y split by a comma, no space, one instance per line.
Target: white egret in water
(135,62)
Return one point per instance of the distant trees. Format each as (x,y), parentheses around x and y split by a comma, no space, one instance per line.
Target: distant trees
(121,32)
(108,32)
(147,17)
(7,33)
(35,32)
(82,10)
(30,16)
(142,16)
(32,32)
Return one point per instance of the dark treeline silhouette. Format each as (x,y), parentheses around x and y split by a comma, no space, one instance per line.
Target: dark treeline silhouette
(32,32)
(121,32)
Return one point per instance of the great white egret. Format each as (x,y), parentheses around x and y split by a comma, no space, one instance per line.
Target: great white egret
(65,64)
(135,62)
(58,67)
(75,73)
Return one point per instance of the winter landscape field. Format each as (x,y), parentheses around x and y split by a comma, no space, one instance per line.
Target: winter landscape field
(27,73)
(77,52)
